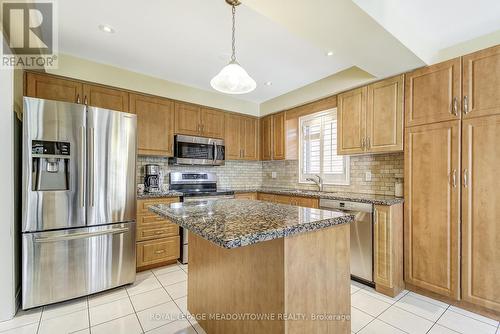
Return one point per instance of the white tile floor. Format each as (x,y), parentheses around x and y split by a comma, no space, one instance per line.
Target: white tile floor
(156,303)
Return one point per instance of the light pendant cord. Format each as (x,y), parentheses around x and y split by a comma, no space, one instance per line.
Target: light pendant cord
(233,56)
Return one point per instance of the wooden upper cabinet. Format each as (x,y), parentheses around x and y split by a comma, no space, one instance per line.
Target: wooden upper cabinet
(241,138)
(384,116)
(107,98)
(187,119)
(250,138)
(212,123)
(433,93)
(432,207)
(44,86)
(481,83)
(278,145)
(232,138)
(481,211)
(266,143)
(155,124)
(351,113)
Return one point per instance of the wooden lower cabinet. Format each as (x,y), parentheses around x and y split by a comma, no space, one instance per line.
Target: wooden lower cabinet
(481,212)
(158,251)
(388,249)
(432,208)
(308,202)
(158,240)
(252,196)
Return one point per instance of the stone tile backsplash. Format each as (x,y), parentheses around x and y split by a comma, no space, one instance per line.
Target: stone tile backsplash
(385,169)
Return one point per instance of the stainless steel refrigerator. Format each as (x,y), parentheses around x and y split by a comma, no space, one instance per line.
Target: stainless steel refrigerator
(79,193)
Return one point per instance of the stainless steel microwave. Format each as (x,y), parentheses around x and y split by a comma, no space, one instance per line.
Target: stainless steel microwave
(191,150)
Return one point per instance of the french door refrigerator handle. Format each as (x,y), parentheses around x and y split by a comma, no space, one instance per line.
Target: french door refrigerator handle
(91,167)
(82,164)
(81,235)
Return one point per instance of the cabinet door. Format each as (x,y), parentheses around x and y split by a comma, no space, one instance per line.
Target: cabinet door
(278,136)
(266,128)
(266,197)
(481,211)
(107,98)
(351,114)
(155,124)
(432,207)
(233,136)
(384,116)
(250,138)
(482,83)
(251,196)
(212,123)
(157,251)
(432,94)
(388,249)
(187,119)
(51,88)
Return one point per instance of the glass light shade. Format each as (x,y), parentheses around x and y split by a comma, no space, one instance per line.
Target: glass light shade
(233,79)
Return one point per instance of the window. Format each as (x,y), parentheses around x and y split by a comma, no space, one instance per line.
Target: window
(318,149)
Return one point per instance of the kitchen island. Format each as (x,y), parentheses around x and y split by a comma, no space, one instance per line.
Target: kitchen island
(259,267)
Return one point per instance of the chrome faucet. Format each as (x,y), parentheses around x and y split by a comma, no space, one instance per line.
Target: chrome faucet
(318,182)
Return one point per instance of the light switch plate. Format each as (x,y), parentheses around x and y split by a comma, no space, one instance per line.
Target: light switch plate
(368,176)
(273,175)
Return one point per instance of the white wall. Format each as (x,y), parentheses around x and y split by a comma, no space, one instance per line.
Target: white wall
(8,231)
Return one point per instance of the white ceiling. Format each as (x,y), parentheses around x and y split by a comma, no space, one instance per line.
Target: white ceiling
(190,41)
(428,26)
(283,41)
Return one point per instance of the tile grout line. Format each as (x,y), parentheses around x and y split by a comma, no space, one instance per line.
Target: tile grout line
(135,312)
(88,313)
(40,320)
(463,315)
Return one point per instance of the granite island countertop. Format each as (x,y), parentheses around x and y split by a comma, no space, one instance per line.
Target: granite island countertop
(354,197)
(235,223)
(159,194)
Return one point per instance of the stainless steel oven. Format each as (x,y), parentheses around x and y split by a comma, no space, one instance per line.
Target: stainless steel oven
(190,150)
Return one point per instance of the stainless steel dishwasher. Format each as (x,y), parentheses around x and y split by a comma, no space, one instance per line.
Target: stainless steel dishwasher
(361,237)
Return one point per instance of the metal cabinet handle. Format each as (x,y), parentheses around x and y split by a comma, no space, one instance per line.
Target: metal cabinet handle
(466,172)
(159,251)
(368,144)
(363,143)
(375,216)
(85,101)
(454,106)
(77,98)
(466,105)
(454,178)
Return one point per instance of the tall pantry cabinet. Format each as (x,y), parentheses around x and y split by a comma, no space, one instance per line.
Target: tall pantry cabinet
(452,147)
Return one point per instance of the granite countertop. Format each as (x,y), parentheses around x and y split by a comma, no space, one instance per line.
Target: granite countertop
(160,194)
(354,197)
(235,223)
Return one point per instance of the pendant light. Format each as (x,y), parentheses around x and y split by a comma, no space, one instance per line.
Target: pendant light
(233,79)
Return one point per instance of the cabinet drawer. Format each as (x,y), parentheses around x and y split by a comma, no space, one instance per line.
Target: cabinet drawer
(157,251)
(161,231)
(246,196)
(143,204)
(307,202)
(283,199)
(266,197)
(153,221)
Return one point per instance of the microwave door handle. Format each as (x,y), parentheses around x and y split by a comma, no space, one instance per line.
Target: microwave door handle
(215,152)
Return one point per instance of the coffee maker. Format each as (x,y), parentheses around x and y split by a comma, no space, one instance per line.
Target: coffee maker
(152,178)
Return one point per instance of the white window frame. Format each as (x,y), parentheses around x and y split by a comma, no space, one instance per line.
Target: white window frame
(329,180)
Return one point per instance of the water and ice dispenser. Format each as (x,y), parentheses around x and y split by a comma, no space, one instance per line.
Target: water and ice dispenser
(50,165)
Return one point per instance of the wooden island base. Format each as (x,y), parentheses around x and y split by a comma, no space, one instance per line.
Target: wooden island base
(304,275)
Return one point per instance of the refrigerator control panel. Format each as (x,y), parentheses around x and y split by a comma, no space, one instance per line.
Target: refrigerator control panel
(42,147)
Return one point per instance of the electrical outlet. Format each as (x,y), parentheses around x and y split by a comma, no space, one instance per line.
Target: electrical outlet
(368,176)
(273,175)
